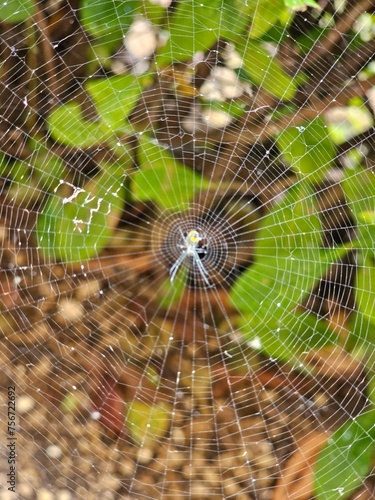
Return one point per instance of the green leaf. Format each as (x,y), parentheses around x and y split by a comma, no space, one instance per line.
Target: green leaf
(233,108)
(154,12)
(147,423)
(236,16)
(163,179)
(293,225)
(196,25)
(359,189)
(301,4)
(49,173)
(265,71)
(346,459)
(67,126)
(16,11)
(261,15)
(76,224)
(115,98)
(72,402)
(308,149)
(267,296)
(193,26)
(367,217)
(365,288)
(48,168)
(17,171)
(265,16)
(108,20)
(171,293)
(346,122)
(289,263)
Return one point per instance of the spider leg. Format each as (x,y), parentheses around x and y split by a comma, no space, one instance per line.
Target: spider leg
(173,270)
(201,268)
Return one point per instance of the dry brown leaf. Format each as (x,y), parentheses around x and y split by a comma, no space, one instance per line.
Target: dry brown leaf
(296,482)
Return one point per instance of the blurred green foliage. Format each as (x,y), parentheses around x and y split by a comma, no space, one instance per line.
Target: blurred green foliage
(346,459)
(77,220)
(148,422)
(16,11)
(308,149)
(163,179)
(289,259)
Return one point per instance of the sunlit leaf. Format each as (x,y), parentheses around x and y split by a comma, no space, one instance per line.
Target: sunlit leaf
(237,15)
(347,122)
(115,98)
(48,169)
(73,402)
(172,292)
(301,4)
(269,314)
(346,459)
(367,217)
(359,189)
(308,149)
(16,11)
(289,263)
(265,16)
(77,222)
(196,25)
(163,179)
(193,26)
(147,422)
(264,70)
(234,109)
(365,288)
(67,126)
(293,225)
(15,171)
(153,11)
(108,20)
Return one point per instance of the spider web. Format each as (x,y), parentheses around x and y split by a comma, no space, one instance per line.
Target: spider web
(124,126)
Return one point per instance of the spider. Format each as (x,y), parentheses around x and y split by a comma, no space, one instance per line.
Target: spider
(191,249)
